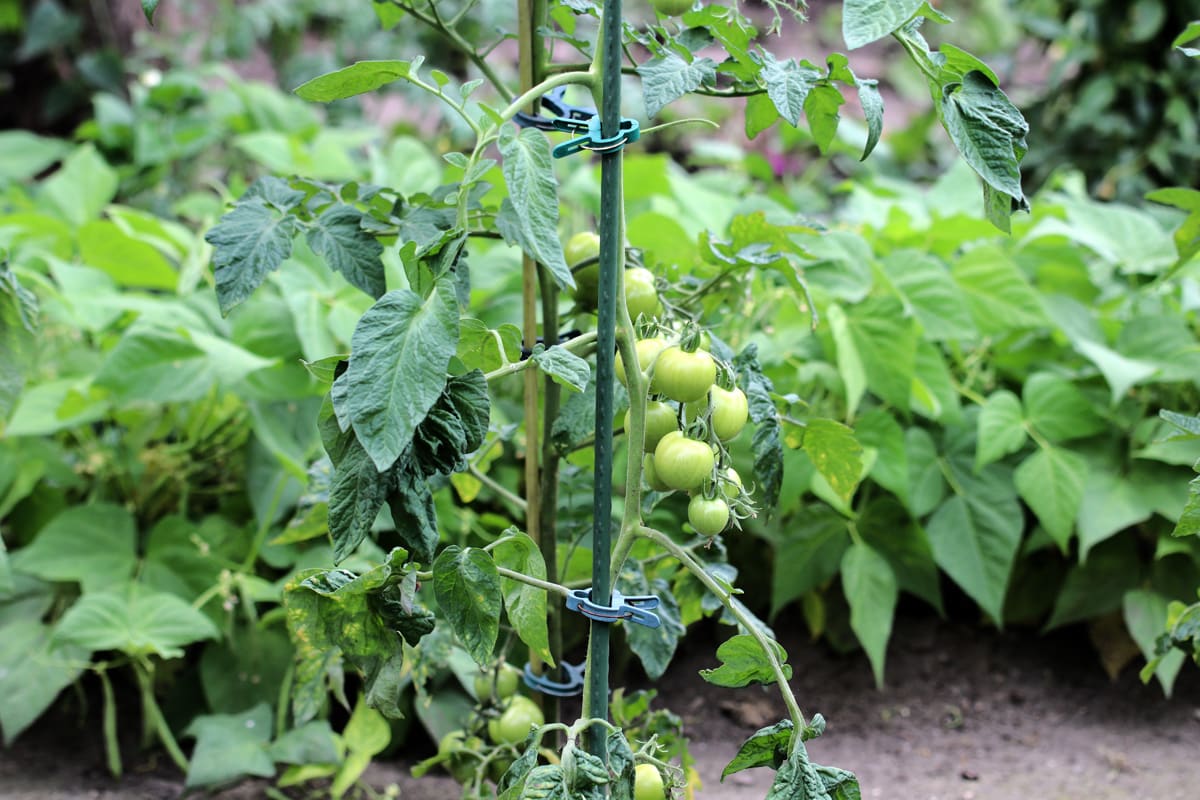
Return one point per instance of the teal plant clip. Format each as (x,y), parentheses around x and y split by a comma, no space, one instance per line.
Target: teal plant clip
(631,609)
(571,687)
(592,139)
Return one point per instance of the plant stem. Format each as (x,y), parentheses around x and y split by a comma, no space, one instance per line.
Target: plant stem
(497,487)
(112,746)
(153,714)
(557,588)
(578,343)
(692,566)
(552,82)
(462,45)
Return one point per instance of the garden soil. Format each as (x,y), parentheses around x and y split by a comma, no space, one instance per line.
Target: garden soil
(966,714)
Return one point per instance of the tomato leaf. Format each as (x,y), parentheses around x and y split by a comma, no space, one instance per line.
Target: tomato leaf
(533,199)
(467,588)
(800,779)
(990,133)
(253,239)
(400,350)
(18,323)
(334,614)
(654,647)
(667,77)
(358,78)
(338,237)
(766,444)
(566,368)
(768,747)
(743,662)
(788,85)
(864,21)
(525,604)
(821,110)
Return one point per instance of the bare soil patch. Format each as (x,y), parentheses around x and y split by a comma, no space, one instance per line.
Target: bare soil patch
(967,714)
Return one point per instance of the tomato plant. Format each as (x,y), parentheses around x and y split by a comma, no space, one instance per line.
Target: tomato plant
(428,401)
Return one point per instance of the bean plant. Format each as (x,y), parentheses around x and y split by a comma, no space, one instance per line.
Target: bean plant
(424,399)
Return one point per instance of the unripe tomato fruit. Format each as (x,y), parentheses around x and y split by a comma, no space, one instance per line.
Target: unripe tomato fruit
(732,486)
(682,463)
(684,376)
(456,745)
(708,517)
(513,725)
(506,683)
(730,411)
(647,351)
(650,473)
(579,248)
(660,420)
(648,783)
(641,297)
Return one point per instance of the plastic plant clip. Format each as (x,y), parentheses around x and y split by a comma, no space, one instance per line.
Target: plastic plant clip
(554,103)
(631,609)
(571,687)
(630,131)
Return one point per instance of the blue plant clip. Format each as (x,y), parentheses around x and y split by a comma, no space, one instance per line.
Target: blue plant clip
(632,609)
(571,687)
(630,131)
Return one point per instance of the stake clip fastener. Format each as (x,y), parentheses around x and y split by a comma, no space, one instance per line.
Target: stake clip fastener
(553,102)
(571,687)
(633,609)
(592,139)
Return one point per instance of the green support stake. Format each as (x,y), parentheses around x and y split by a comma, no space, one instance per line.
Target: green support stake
(611,247)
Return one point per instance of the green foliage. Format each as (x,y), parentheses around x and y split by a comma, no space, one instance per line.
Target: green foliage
(926,397)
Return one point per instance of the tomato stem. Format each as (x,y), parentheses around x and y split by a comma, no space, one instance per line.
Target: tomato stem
(685,559)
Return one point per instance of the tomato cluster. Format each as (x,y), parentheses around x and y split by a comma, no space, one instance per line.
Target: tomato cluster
(507,718)
(693,406)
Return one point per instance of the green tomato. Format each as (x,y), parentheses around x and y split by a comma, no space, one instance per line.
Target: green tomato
(459,747)
(708,517)
(581,247)
(683,463)
(506,684)
(647,350)
(730,411)
(650,473)
(512,726)
(660,420)
(648,783)
(684,376)
(732,485)
(641,296)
